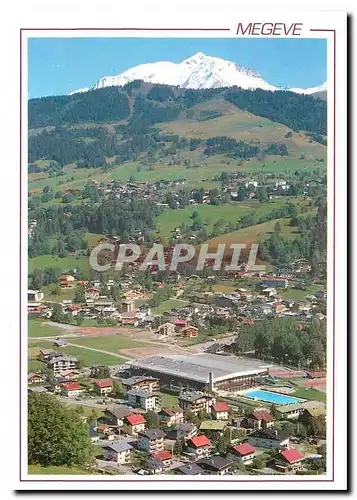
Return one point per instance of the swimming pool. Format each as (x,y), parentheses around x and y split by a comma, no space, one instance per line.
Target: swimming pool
(272,397)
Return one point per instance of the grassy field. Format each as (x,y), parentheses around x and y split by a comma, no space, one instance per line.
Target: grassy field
(112,343)
(168,399)
(64,264)
(209,214)
(57,470)
(254,234)
(37,328)
(85,356)
(311,394)
(297,295)
(167,305)
(35,365)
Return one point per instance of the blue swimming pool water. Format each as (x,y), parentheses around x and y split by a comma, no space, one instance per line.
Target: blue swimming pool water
(272,397)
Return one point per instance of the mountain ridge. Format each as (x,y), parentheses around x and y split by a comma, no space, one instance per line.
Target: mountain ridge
(196,72)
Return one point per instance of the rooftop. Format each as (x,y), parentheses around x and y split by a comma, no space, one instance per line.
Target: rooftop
(197,367)
(212,425)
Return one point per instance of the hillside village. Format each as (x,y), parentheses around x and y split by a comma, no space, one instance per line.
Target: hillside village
(187,372)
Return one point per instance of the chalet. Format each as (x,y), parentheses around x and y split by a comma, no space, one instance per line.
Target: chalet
(243,452)
(269,438)
(199,446)
(220,411)
(190,470)
(140,398)
(133,424)
(151,440)
(180,324)
(92,293)
(165,456)
(129,318)
(34,296)
(166,329)
(35,378)
(189,331)
(184,431)
(259,419)
(118,452)
(72,389)
(141,382)
(115,414)
(171,416)
(289,460)
(128,305)
(103,387)
(45,354)
(215,465)
(153,466)
(196,401)
(69,374)
(66,281)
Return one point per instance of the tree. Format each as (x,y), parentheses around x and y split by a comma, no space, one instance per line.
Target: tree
(117,389)
(56,434)
(317,426)
(80,294)
(99,371)
(152,419)
(179,447)
(56,290)
(258,462)
(57,314)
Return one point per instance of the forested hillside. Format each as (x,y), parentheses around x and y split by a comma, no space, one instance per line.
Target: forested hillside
(63,131)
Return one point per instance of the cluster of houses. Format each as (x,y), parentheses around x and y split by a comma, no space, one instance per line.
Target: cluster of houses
(197,455)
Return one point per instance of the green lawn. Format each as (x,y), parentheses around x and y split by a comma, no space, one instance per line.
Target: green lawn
(168,400)
(85,356)
(37,328)
(255,233)
(35,366)
(167,305)
(308,393)
(112,343)
(64,264)
(57,470)
(298,295)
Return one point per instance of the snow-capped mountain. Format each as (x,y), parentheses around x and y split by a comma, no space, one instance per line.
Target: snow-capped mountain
(312,90)
(196,72)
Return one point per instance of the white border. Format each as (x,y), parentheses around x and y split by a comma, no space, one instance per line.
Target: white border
(228,17)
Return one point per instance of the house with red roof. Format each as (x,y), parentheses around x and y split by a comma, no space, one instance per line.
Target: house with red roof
(71,389)
(243,452)
(133,424)
(164,455)
(259,419)
(220,411)
(289,460)
(199,446)
(180,323)
(103,387)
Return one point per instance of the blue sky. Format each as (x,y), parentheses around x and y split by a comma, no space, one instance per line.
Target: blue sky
(60,65)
